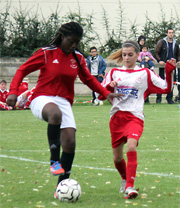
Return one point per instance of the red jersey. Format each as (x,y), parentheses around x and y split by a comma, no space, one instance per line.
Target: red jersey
(3,95)
(58,72)
(23,87)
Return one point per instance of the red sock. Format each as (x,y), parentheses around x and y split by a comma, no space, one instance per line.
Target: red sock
(3,106)
(121,167)
(131,168)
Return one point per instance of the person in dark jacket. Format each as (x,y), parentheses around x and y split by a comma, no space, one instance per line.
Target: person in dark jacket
(166,49)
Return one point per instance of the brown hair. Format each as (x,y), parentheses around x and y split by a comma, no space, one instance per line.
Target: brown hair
(3,81)
(118,54)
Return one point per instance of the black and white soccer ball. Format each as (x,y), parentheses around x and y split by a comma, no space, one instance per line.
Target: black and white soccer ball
(68,190)
(97,102)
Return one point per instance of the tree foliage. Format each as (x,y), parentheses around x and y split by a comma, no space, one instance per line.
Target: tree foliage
(114,37)
(23,31)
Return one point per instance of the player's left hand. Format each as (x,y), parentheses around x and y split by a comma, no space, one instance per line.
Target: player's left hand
(113,83)
(172,61)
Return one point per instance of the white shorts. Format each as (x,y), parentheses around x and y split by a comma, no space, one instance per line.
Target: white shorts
(38,104)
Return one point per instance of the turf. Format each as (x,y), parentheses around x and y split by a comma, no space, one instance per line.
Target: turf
(25,180)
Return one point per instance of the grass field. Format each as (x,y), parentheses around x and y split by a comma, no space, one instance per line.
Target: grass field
(25,180)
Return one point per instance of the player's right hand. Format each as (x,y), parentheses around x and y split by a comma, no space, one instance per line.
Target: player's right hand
(114,95)
(11,100)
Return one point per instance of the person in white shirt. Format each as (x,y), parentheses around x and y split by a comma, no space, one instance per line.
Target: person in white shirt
(127,118)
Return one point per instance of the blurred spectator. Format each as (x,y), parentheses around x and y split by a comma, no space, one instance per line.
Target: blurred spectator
(4,106)
(23,101)
(146,57)
(24,86)
(166,49)
(142,41)
(3,91)
(97,67)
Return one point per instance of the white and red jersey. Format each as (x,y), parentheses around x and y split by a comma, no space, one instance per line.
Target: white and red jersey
(3,95)
(58,72)
(136,84)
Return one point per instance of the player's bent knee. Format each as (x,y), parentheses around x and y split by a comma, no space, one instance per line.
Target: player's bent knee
(131,148)
(55,118)
(132,145)
(52,114)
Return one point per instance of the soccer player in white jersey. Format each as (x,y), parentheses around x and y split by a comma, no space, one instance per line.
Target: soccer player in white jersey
(127,118)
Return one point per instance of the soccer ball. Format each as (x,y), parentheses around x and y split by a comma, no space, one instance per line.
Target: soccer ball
(98,102)
(68,190)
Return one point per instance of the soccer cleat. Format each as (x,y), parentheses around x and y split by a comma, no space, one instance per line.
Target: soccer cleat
(123,185)
(130,193)
(56,168)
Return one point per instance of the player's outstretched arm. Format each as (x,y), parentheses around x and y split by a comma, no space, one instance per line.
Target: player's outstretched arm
(114,95)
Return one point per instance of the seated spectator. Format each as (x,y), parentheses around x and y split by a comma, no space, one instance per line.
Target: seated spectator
(23,101)
(23,86)
(3,91)
(4,106)
(146,57)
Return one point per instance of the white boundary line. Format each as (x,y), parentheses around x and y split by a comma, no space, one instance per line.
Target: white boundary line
(47,150)
(89,167)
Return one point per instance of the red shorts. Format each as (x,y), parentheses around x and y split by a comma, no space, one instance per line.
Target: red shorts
(124,125)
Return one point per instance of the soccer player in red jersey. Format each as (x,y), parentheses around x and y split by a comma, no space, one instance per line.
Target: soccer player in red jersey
(59,64)
(127,118)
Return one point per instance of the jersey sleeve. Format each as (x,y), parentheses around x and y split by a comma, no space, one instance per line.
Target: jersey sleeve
(107,80)
(34,63)
(157,85)
(89,80)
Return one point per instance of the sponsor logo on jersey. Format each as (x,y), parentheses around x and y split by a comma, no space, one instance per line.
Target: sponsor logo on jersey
(55,61)
(73,63)
(128,92)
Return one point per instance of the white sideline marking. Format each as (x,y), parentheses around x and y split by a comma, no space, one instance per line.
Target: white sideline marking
(47,150)
(88,167)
